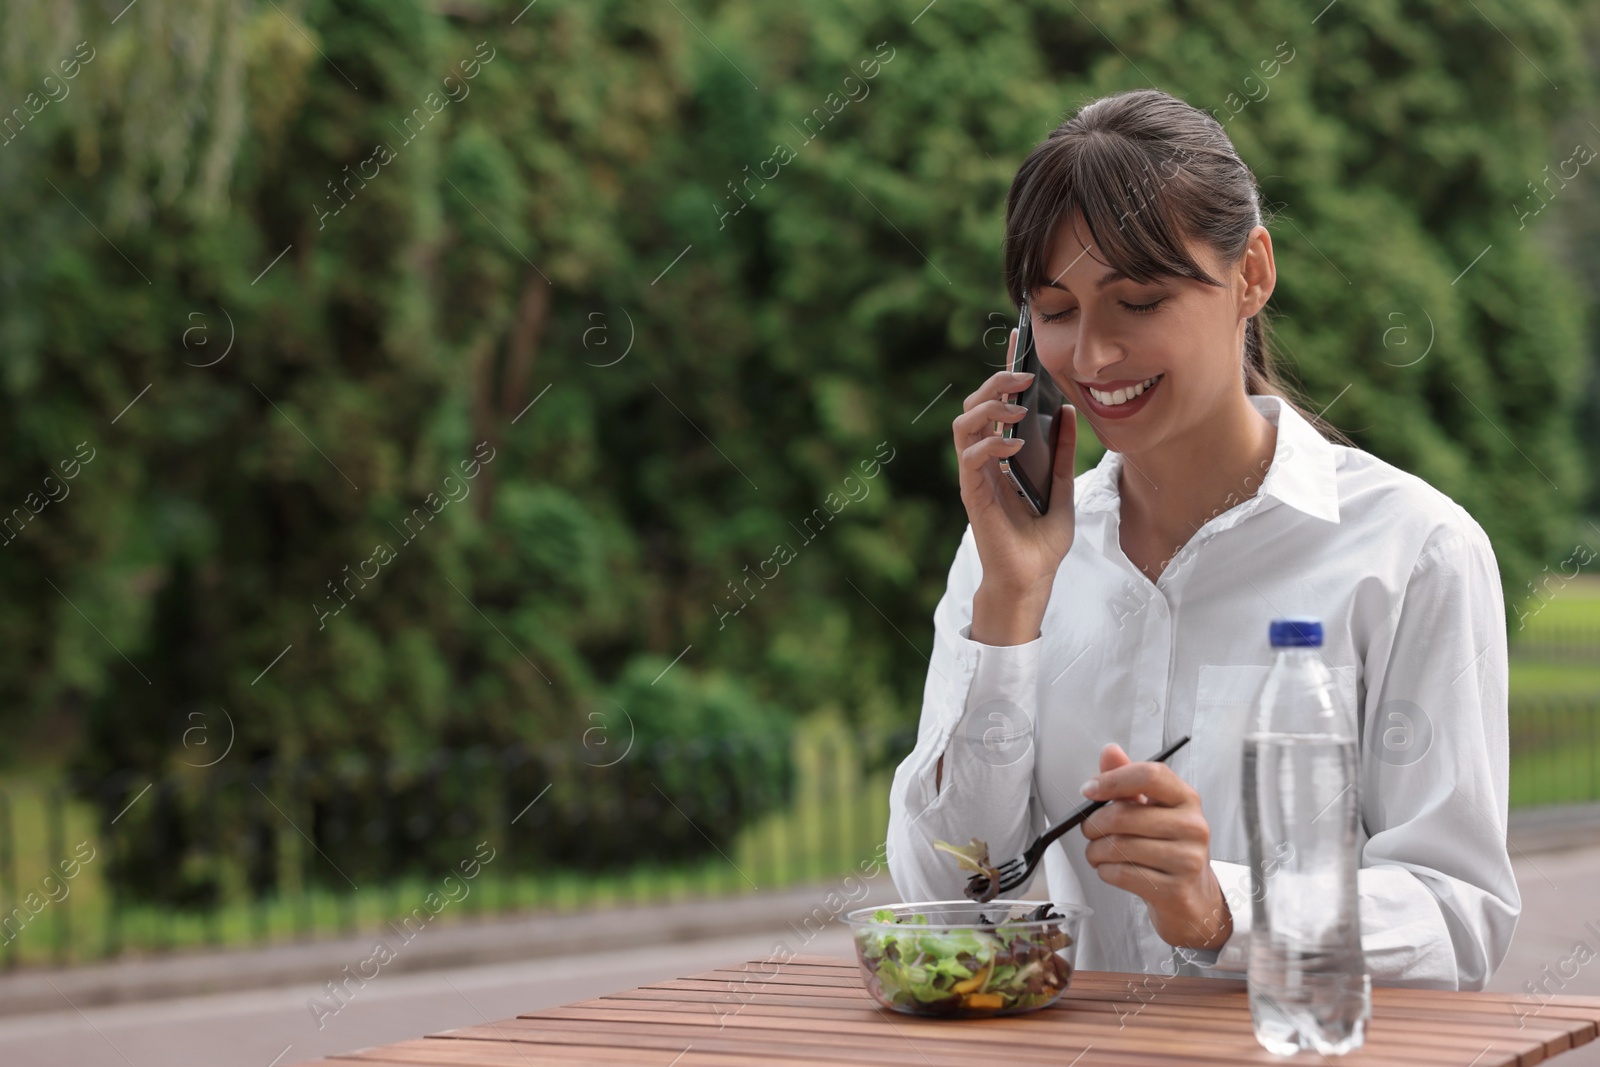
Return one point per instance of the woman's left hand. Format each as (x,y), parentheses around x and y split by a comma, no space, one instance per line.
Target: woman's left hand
(1153,841)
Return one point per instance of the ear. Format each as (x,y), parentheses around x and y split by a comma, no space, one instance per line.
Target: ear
(1257,273)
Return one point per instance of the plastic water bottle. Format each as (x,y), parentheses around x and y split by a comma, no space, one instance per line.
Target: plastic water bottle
(1308,980)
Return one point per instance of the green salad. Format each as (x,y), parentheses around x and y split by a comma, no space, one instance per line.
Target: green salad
(984,970)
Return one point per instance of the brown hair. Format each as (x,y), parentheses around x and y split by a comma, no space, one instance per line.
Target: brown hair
(1147,171)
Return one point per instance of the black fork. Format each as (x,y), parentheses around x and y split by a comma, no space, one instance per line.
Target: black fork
(1014,872)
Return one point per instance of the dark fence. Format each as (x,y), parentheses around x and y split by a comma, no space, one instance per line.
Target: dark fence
(1555,750)
(1557,643)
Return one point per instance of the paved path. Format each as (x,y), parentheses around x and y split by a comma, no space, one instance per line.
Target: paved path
(260,1028)
(1560,908)
(265,1027)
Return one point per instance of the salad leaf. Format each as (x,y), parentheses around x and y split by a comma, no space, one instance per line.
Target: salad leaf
(985,882)
(974,857)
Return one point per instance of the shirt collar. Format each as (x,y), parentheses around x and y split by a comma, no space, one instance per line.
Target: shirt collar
(1303,474)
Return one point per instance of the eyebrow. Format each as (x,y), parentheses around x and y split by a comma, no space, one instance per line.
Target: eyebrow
(1105,279)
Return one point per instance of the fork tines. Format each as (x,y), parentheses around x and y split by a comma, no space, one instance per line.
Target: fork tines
(1010,874)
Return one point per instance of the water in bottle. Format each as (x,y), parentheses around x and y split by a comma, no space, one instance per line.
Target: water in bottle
(1308,980)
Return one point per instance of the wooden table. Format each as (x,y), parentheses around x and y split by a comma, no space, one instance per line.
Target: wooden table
(816,1011)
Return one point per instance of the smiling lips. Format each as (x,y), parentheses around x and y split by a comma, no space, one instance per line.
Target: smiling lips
(1123,392)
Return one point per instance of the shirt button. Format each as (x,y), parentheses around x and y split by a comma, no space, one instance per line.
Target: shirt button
(1152,706)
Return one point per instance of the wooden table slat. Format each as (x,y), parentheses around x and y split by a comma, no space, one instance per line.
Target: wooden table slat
(1042,1032)
(1556,1035)
(814,1011)
(714,995)
(484,1054)
(1045,1034)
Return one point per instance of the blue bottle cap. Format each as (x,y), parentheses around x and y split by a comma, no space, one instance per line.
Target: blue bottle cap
(1299,632)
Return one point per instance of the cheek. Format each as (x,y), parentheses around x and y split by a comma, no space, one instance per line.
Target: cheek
(1209,337)
(1055,348)
(1196,351)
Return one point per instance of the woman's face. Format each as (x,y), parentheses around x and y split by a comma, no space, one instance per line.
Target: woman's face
(1097,330)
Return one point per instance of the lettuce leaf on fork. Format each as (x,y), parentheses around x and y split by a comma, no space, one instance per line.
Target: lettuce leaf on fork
(974,857)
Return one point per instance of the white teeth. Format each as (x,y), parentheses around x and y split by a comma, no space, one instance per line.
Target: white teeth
(1122,396)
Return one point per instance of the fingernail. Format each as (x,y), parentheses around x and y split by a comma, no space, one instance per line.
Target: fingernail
(1090,788)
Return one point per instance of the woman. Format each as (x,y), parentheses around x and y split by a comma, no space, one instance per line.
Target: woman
(1135,611)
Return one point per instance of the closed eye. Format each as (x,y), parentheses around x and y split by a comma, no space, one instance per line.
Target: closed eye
(1136,309)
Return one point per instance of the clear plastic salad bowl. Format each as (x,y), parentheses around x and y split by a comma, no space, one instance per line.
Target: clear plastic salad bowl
(960,959)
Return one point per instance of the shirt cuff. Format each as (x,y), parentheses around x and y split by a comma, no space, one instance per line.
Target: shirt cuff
(1234,955)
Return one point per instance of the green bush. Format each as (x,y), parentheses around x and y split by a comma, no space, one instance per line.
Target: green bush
(669,772)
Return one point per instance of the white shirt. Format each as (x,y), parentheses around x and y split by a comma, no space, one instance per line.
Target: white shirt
(1408,591)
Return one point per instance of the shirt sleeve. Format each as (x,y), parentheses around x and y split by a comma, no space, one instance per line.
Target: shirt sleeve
(979,706)
(1438,898)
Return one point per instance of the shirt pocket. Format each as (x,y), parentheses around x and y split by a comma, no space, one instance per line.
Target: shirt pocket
(1224,708)
(1224,703)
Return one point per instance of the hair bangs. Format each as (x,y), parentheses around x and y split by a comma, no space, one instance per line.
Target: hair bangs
(1123,190)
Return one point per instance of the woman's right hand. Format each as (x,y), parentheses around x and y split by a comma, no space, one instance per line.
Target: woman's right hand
(1020,551)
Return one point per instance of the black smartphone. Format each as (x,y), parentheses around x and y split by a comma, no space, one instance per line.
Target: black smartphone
(1030,470)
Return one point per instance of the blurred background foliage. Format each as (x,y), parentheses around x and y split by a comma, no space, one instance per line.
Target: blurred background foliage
(310,349)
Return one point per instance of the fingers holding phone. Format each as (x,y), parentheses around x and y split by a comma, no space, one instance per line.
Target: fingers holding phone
(1016,442)
(979,442)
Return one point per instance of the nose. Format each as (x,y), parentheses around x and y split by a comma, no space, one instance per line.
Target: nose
(1093,350)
